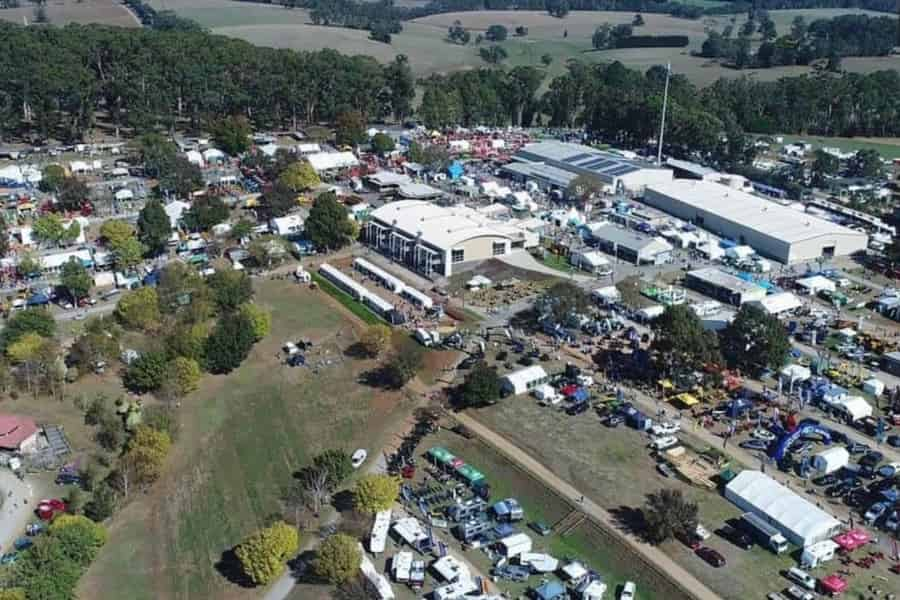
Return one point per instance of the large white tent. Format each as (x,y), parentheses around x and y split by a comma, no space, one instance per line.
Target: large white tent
(801,522)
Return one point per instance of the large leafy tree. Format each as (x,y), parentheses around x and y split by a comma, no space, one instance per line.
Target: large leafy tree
(350,128)
(264,553)
(258,317)
(563,300)
(146,373)
(230,288)
(72,194)
(278,201)
(204,213)
(146,455)
(76,279)
(232,134)
(32,320)
(401,85)
(328,225)
(79,537)
(681,341)
(480,387)
(755,340)
(139,309)
(299,176)
(180,177)
(229,344)
(154,227)
(336,464)
(375,493)
(401,367)
(337,560)
(668,514)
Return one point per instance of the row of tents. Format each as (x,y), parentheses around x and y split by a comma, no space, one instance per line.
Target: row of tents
(450,462)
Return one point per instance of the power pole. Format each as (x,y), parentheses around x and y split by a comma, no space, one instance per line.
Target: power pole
(662,120)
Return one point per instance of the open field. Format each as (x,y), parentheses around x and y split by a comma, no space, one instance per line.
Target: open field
(243,435)
(62,12)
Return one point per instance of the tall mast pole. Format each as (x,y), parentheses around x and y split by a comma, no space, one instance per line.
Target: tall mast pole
(662,121)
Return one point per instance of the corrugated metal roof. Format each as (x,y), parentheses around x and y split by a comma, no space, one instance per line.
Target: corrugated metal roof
(747,210)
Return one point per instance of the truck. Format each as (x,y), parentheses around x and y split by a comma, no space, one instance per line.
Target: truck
(427,338)
(764,533)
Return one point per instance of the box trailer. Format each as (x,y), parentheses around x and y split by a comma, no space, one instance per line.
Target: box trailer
(767,535)
(514,545)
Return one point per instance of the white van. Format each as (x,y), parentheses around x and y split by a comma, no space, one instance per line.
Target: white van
(802,577)
(628,591)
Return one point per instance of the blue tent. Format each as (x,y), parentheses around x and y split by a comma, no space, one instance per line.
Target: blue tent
(151,279)
(455,170)
(552,590)
(38,300)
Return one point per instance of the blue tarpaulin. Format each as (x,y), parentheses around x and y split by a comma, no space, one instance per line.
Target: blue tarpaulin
(38,300)
(552,590)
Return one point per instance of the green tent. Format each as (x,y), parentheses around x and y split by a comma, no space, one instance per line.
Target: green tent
(470,473)
(441,455)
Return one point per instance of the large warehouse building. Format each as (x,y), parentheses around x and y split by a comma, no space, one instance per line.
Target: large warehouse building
(432,239)
(784,234)
(553,165)
(799,520)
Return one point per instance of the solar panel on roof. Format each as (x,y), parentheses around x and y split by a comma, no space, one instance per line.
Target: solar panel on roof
(600,163)
(577,157)
(621,170)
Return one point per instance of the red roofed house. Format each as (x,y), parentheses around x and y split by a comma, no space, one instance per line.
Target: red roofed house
(18,434)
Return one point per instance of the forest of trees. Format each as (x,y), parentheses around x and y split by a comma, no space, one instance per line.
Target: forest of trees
(59,81)
(831,39)
(56,80)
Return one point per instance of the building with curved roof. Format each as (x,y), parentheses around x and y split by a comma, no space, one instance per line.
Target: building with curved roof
(432,239)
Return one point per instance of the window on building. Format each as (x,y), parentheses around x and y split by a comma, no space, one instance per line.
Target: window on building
(458,256)
(499,248)
(518,244)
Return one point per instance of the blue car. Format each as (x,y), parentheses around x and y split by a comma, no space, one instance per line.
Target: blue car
(875,512)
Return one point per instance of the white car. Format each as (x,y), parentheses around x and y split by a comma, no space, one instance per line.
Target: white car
(662,429)
(702,532)
(358,458)
(628,591)
(798,594)
(763,434)
(664,443)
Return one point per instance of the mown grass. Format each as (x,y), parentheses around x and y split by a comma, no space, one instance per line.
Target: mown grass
(346,300)
(243,437)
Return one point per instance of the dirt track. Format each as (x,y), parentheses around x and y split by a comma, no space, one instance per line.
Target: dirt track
(654,556)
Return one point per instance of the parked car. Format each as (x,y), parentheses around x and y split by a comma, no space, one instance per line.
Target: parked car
(702,532)
(711,556)
(664,429)
(775,596)
(763,434)
(875,512)
(857,448)
(894,440)
(664,443)
(892,523)
(801,577)
(796,593)
(664,469)
(754,445)
(829,479)
(540,528)
(628,591)
(736,537)
(614,420)
(836,491)
(871,459)
(358,458)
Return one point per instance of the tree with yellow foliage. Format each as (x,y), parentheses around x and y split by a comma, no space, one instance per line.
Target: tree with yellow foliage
(299,177)
(376,339)
(264,553)
(337,560)
(375,493)
(143,461)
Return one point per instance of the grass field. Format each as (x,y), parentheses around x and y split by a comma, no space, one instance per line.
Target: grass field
(889,148)
(243,436)
(61,12)
(600,460)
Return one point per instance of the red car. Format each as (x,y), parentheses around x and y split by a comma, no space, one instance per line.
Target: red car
(711,556)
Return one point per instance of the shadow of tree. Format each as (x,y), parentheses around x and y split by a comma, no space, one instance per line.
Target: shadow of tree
(357,351)
(629,520)
(229,566)
(342,501)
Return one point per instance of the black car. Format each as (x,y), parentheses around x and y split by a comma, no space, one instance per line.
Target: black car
(871,459)
(710,556)
(736,537)
(894,440)
(868,472)
(829,479)
(836,491)
(578,408)
(856,498)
